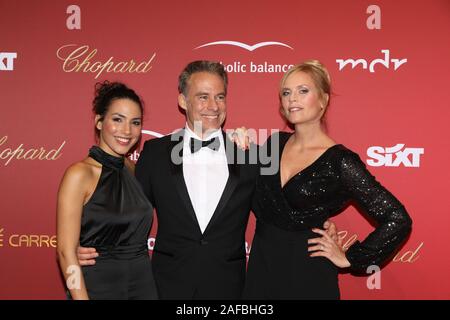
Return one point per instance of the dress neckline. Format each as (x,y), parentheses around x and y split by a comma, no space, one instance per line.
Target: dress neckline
(307,168)
(105,158)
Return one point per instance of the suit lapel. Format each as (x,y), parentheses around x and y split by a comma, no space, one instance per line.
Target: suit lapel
(176,146)
(232,182)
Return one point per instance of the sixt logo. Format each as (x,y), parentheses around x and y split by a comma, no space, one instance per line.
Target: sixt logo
(394,156)
(7,61)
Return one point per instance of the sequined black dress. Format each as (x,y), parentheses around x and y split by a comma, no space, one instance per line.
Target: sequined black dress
(116,221)
(279,266)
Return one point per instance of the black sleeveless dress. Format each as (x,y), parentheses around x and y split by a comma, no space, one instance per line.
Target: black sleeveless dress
(279,265)
(116,221)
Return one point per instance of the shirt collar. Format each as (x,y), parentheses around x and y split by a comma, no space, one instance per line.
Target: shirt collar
(188,134)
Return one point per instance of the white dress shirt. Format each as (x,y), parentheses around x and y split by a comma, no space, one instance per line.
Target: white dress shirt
(205,173)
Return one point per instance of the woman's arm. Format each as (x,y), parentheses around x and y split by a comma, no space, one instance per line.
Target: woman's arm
(71,197)
(393,221)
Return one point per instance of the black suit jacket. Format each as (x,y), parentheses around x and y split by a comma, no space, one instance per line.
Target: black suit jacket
(186,263)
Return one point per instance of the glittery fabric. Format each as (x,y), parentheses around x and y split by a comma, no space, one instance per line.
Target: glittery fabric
(325,188)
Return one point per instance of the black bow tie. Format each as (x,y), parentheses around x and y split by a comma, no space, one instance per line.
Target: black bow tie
(196,144)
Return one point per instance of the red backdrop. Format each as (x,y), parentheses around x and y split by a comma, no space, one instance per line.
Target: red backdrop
(46,101)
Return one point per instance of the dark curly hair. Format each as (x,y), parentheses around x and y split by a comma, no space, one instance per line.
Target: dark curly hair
(106,92)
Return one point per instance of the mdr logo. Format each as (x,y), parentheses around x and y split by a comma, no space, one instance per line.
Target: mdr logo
(394,156)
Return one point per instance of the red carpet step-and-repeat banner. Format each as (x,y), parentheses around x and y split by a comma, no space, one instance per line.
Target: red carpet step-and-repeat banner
(389,62)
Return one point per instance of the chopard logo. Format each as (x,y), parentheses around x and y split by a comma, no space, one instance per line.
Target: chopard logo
(244,45)
(81,59)
(9,153)
(408,256)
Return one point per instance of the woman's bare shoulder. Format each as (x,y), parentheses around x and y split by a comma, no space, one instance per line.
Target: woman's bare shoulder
(82,171)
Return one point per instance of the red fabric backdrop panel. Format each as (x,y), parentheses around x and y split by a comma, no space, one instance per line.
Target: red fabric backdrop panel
(392,107)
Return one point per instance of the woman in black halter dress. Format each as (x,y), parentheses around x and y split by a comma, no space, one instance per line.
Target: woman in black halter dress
(101,205)
(287,260)
(116,221)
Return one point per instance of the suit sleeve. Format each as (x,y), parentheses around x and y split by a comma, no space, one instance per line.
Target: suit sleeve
(394,223)
(143,169)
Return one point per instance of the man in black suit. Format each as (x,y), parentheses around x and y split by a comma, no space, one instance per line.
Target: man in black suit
(201,186)
(201,194)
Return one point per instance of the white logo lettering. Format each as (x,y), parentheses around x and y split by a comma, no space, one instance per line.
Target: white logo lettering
(253,67)
(383,61)
(7,61)
(374,281)
(385,156)
(74,20)
(373,21)
(74,280)
(244,45)
(151,243)
(152,133)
